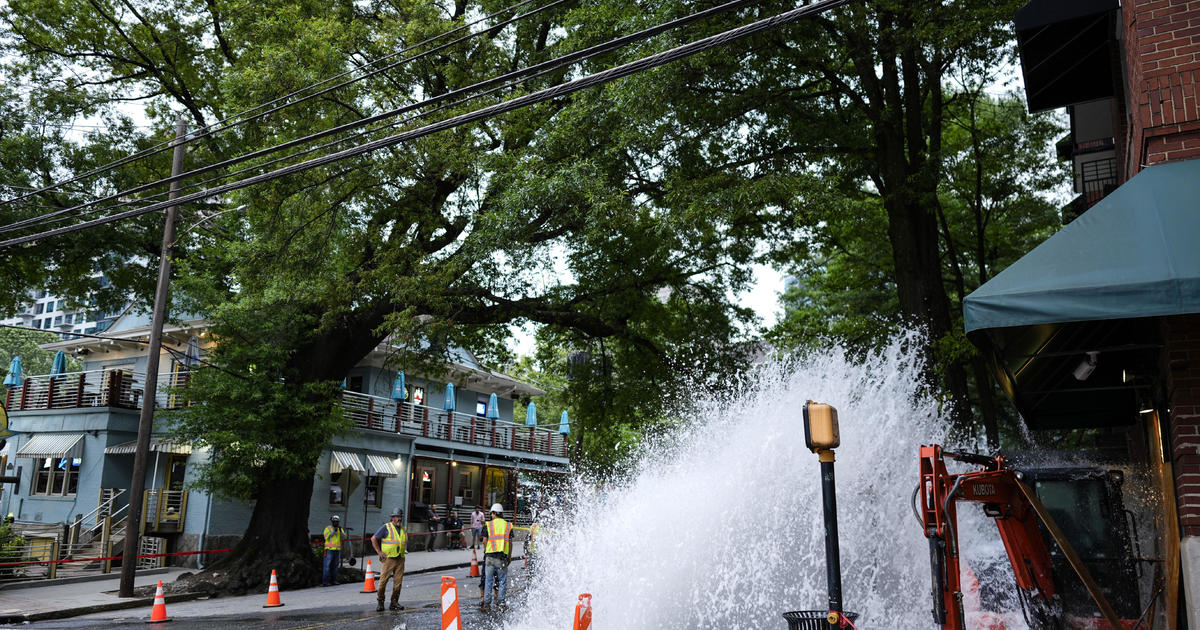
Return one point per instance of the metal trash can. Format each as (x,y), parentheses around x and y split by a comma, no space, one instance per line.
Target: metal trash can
(813,619)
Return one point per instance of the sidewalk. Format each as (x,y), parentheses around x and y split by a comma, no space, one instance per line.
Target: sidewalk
(46,600)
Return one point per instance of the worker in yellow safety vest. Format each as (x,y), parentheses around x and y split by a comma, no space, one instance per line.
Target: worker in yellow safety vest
(333,551)
(391,543)
(497,553)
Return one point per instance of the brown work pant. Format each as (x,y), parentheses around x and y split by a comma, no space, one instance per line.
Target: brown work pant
(392,567)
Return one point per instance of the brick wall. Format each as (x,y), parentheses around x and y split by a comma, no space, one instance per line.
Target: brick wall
(1162,62)
(1183,390)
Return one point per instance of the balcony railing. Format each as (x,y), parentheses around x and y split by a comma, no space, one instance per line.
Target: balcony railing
(95,388)
(125,389)
(375,413)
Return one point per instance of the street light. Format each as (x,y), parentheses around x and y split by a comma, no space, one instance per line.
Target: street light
(821,437)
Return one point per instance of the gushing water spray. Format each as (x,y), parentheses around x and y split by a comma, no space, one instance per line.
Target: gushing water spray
(722,528)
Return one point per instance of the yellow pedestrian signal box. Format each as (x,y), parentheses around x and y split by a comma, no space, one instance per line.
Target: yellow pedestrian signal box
(820,426)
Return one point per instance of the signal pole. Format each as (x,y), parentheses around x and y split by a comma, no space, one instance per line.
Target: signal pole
(137,485)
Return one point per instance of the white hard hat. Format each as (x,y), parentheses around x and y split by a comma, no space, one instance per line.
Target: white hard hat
(335,517)
(496,507)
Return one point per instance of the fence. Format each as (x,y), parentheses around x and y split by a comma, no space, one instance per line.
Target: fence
(126,389)
(94,388)
(375,413)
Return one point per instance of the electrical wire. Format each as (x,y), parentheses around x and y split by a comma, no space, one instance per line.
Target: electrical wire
(213,129)
(598,78)
(523,74)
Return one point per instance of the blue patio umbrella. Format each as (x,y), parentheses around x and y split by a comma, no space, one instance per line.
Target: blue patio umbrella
(14,373)
(448,405)
(60,364)
(531,414)
(398,390)
(493,410)
(564,425)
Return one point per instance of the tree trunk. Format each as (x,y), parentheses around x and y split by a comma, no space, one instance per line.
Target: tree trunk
(276,539)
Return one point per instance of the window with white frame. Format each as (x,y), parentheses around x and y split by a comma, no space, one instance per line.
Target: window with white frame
(56,476)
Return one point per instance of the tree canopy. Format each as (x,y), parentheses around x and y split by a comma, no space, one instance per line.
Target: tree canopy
(622,220)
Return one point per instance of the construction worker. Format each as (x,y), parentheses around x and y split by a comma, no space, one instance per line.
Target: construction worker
(391,543)
(497,553)
(333,551)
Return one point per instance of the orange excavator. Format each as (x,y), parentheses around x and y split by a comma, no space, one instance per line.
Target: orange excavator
(1036,546)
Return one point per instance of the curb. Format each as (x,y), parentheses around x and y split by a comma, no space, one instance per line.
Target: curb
(87,610)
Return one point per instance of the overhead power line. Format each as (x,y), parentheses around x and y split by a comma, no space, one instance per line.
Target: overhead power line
(598,78)
(214,129)
(489,85)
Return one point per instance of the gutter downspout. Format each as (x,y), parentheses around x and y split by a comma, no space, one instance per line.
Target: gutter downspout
(412,449)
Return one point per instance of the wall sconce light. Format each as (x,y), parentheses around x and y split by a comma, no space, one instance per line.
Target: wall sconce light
(1127,376)
(1086,366)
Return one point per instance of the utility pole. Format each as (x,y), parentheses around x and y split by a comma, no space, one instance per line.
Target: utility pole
(137,485)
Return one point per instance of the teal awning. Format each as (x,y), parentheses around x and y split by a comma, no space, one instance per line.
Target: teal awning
(1134,254)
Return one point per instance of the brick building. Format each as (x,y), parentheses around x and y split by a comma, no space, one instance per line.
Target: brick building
(1098,328)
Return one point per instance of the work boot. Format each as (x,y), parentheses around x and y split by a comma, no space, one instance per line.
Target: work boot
(396,606)
(485,608)
(379,606)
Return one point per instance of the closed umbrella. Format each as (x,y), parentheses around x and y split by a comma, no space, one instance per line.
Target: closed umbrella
(493,410)
(14,373)
(191,356)
(531,415)
(564,425)
(398,390)
(60,364)
(448,405)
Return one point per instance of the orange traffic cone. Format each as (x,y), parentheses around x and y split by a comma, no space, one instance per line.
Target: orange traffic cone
(450,617)
(474,565)
(273,593)
(369,582)
(583,612)
(159,612)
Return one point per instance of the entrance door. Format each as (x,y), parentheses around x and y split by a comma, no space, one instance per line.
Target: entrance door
(171,505)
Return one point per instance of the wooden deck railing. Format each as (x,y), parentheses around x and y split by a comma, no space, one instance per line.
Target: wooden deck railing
(125,389)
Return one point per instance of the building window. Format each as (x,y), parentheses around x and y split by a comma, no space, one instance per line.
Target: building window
(69,318)
(50,306)
(335,489)
(481,407)
(418,395)
(355,384)
(374,491)
(58,320)
(41,308)
(56,476)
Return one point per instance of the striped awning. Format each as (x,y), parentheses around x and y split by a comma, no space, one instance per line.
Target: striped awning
(53,445)
(156,445)
(381,466)
(342,460)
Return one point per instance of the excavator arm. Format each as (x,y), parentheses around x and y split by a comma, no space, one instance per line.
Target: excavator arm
(1017,511)
(997,487)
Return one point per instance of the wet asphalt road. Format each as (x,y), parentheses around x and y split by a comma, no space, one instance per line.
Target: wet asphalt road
(358,616)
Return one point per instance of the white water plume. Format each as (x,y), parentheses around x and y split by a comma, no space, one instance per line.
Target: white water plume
(724,528)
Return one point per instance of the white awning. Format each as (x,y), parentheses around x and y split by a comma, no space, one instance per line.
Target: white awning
(156,445)
(381,466)
(342,460)
(53,445)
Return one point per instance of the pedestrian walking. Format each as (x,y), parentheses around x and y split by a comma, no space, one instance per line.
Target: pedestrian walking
(476,526)
(497,553)
(432,520)
(333,551)
(391,542)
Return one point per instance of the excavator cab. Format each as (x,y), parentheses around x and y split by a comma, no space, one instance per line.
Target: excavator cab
(1088,506)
